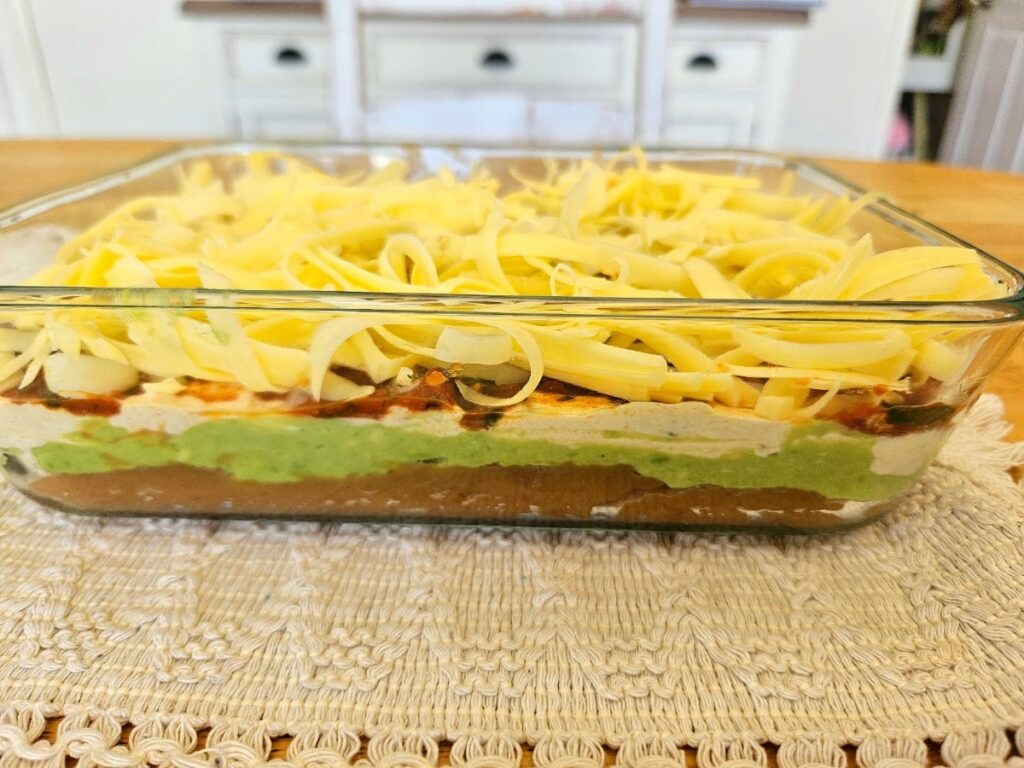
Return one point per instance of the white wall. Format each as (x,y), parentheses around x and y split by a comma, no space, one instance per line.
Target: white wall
(846,77)
(26,105)
(127,68)
(7,125)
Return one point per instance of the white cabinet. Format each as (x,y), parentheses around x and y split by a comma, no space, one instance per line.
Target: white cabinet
(270,56)
(512,118)
(480,118)
(710,120)
(565,122)
(286,117)
(714,61)
(572,60)
(536,81)
(581,72)
(274,78)
(846,77)
(724,84)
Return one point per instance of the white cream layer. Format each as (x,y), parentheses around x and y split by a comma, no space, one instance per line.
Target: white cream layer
(692,428)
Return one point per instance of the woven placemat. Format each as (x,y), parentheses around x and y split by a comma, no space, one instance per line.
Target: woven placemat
(573,642)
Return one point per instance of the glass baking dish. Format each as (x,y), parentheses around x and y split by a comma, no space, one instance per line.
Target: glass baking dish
(417,449)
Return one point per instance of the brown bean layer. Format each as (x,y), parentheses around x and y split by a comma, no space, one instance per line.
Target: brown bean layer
(566,494)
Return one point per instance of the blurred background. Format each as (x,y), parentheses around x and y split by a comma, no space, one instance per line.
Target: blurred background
(942,79)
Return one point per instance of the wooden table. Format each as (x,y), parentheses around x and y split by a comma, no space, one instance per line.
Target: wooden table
(983,208)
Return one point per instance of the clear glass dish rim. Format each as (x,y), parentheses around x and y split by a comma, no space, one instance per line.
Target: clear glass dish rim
(1000,311)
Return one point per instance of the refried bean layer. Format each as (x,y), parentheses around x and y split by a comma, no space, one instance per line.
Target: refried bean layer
(566,494)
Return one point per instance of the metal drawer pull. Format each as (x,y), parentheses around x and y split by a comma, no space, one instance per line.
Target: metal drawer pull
(702,62)
(291,57)
(496,59)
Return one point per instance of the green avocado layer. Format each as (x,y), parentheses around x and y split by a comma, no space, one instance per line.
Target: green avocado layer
(825,458)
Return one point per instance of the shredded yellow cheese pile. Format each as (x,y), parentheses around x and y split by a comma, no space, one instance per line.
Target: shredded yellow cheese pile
(622,228)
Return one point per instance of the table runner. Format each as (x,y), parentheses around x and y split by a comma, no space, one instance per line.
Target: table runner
(574,642)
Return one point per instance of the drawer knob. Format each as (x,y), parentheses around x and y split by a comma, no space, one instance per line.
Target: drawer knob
(496,59)
(290,57)
(702,62)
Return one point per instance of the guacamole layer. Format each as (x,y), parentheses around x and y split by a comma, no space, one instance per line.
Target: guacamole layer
(824,458)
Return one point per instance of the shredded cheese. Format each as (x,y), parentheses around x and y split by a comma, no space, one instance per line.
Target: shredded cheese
(619,228)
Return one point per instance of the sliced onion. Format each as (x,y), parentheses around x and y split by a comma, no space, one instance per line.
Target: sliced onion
(405,377)
(10,381)
(337,388)
(169,386)
(12,340)
(499,374)
(329,337)
(87,374)
(809,411)
(241,357)
(34,351)
(534,358)
(35,366)
(486,346)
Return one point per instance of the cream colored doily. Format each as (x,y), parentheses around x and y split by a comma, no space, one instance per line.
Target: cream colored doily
(905,630)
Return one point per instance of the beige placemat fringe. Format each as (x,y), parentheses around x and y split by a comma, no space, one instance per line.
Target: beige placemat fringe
(371,646)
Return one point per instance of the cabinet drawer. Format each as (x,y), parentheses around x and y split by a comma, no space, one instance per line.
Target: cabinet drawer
(711,63)
(275,57)
(710,121)
(572,60)
(496,118)
(479,118)
(284,117)
(580,123)
(287,126)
